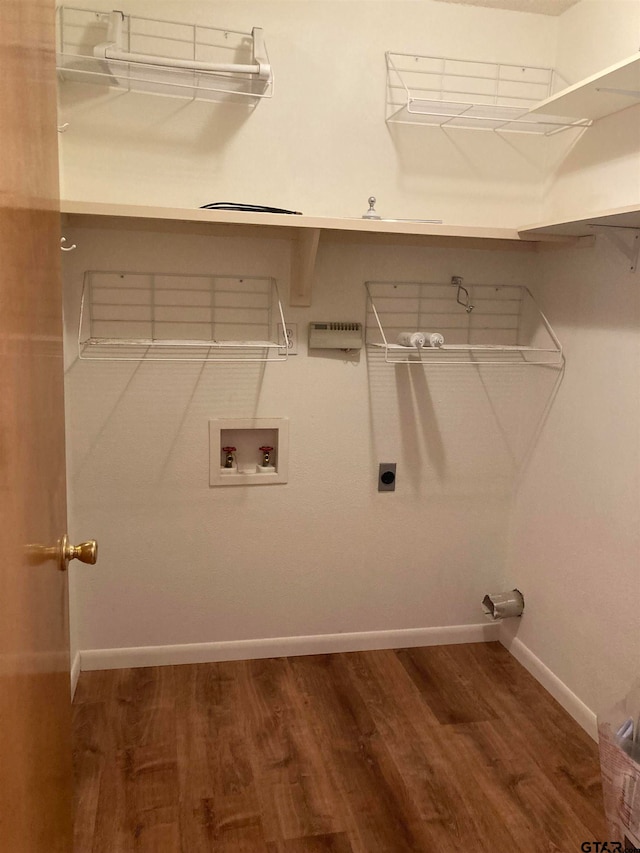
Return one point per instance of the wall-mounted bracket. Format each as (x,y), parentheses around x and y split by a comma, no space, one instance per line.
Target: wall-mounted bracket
(163,57)
(303,259)
(630,250)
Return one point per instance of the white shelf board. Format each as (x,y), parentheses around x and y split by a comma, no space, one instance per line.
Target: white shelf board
(483,117)
(287,223)
(303,232)
(441,91)
(592,98)
(620,217)
(506,325)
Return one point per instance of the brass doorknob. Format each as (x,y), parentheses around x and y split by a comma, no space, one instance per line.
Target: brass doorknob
(63,552)
(86,552)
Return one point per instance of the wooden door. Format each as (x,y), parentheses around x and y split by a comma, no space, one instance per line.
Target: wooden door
(35,749)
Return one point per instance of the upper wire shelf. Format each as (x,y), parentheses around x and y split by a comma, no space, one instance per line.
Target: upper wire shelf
(445,92)
(472,323)
(131,316)
(162,57)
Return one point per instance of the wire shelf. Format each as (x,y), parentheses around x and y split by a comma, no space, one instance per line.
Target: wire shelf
(491,324)
(162,57)
(444,92)
(131,316)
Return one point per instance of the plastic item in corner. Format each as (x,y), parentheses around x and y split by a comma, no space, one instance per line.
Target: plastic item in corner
(619,743)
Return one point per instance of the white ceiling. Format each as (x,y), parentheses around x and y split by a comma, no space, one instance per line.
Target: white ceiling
(539,7)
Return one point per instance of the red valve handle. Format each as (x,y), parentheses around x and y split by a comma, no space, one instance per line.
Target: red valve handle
(265,449)
(228,449)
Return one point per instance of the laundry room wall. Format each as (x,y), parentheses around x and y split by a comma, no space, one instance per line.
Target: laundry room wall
(320,144)
(601,169)
(188,569)
(182,562)
(574,540)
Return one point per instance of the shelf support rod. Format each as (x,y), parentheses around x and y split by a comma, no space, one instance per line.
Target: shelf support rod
(112,49)
(630,251)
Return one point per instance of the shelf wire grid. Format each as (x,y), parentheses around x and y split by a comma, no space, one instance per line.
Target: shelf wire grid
(445,92)
(131,316)
(79,31)
(505,325)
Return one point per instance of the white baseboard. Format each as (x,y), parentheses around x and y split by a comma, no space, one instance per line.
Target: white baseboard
(92,659)
(75,673)
(582,714)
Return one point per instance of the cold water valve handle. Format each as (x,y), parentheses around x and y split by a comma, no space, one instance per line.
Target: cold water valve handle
(228,459)
(266,455)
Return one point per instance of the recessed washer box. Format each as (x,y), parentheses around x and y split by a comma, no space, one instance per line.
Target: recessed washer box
(248,435)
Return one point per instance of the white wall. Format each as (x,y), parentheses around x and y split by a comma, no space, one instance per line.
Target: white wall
(184,563)
(594,34)
(601,171)
(181,562)
(321,144)
(575,540)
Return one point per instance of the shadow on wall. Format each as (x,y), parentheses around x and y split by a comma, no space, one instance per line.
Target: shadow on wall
(146,418)
(135,119)
(459,429)
(469,154)
(618,135)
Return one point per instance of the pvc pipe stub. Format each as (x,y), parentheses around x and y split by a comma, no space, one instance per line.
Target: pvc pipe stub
(503,605)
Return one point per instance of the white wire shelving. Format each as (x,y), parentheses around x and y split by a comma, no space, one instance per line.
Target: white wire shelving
(480,323)
(458,93)
(162,57)
(133,316)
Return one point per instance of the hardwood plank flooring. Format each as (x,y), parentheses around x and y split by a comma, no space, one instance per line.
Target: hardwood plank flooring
(430,750)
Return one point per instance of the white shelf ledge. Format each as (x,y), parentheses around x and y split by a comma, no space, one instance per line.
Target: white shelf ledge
(161,57)
(492,324)
(621,226)
(457,93)
(303,232)
(127,316)
(618,217)
(600,95)
(81,212)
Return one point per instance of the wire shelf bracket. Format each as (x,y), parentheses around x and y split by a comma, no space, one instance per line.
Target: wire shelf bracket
(132,316)
(494,324)
(162,57)
(457,93)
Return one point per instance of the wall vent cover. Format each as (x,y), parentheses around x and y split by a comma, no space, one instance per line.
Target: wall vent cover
(335,335)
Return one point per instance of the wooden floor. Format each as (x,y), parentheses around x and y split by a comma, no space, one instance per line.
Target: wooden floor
(441,749)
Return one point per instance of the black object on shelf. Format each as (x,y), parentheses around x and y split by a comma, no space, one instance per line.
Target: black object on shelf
(248,208)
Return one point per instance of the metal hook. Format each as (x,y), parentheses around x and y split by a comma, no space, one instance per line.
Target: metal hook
(63,127)
(67,248)
(456,281)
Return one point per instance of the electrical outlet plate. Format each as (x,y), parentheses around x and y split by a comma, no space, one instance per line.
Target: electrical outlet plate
(291,338)
(387,477)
